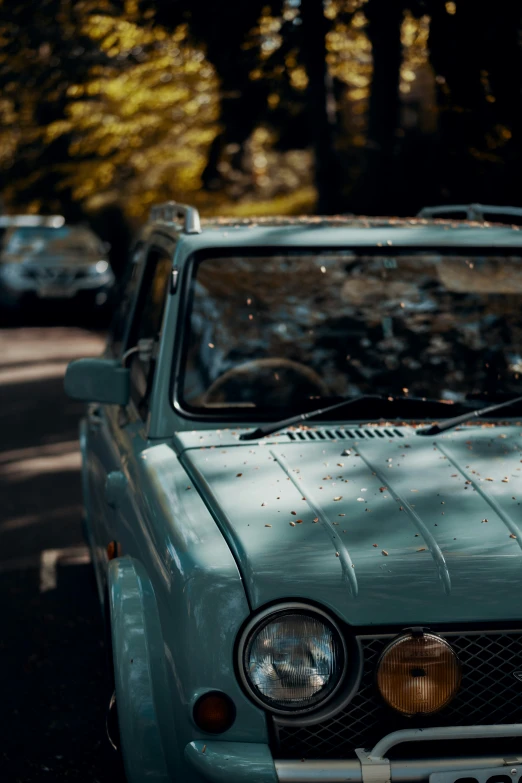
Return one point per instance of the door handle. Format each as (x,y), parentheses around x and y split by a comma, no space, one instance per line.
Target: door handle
(115,486)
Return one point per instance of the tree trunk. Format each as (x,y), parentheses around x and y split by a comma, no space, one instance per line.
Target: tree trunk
(476,56)
(376,193)
(321,114)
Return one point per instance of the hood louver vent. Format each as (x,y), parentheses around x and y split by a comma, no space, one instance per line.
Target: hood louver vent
(343,434)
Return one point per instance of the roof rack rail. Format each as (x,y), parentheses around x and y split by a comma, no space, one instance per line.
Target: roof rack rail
(170,210)
(473,211)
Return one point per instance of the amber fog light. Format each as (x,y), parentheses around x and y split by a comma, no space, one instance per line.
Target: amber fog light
(214,712)
(418,674)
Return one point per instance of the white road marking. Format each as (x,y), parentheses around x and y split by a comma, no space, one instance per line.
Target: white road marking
(72,555)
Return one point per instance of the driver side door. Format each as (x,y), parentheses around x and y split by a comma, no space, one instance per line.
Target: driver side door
(110,430)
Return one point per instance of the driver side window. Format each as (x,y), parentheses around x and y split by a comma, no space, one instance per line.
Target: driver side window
(146,325)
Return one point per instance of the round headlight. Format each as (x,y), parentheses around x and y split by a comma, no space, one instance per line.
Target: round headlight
(418,674)
(292,660)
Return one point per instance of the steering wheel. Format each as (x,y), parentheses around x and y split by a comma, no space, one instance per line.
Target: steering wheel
(257,365)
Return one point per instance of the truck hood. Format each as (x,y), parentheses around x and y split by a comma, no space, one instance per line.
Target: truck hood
(381,530)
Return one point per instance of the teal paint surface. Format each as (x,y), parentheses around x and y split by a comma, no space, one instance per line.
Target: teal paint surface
(445,511)
(97,380)
(134,639)
(164,526)
(231,762)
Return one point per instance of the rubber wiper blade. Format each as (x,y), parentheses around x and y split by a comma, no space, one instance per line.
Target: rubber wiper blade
(448,424)
(268,429)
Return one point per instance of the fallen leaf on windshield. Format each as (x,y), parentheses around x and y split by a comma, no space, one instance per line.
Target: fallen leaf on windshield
(383,489)
(268,525)
(384,552)
(512,535)
(238,475)
(292,524)
(339,497)
(421,549)
(316,519)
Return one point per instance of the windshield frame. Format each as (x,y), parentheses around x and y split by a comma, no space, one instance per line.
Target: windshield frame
(252,415)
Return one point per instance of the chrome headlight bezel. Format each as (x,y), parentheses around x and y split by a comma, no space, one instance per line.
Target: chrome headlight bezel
(259,621)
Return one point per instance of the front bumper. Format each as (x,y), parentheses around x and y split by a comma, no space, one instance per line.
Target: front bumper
(241,762)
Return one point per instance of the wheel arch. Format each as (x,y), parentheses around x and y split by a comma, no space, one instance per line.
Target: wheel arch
(139,672)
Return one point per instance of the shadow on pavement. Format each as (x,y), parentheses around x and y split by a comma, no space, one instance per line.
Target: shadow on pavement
(53,685)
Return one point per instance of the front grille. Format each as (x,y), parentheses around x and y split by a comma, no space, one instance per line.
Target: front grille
(54,275)
(489,693)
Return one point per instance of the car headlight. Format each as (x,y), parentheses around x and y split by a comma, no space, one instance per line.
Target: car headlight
(99,268)
(418,674)
(292,658)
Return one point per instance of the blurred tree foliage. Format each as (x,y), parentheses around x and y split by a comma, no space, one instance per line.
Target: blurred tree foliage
(373,106)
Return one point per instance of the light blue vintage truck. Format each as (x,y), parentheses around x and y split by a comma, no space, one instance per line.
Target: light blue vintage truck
(302,470)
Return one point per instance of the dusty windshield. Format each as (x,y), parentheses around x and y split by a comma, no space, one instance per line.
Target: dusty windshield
(273,333)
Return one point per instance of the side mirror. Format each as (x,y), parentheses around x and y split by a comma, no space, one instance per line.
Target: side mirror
(98,380)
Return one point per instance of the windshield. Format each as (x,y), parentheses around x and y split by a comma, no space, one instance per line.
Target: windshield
(280,333)
(45,239)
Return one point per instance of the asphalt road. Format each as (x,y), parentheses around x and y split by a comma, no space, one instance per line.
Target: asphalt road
(53,688)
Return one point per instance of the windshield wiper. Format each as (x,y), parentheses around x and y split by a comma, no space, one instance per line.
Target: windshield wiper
(268,429)
(456,420)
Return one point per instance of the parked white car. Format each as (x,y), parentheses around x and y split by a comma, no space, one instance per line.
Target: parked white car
(53,261)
